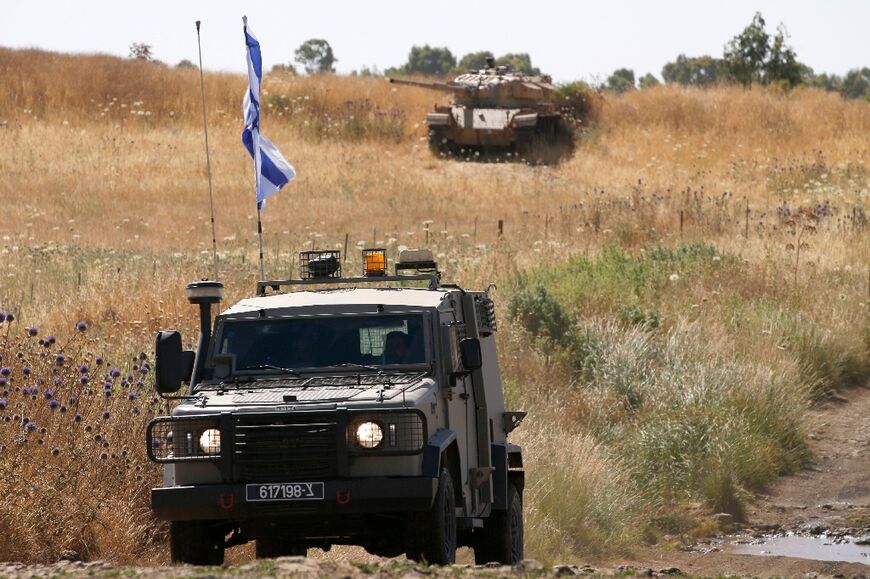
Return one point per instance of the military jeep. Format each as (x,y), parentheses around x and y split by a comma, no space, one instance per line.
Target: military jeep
(332,410)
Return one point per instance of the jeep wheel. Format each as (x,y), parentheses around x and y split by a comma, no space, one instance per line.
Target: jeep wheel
(501,539)
(271,547)
(196,543)
(433,535)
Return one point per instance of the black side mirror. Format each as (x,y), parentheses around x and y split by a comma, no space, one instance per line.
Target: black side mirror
(469,349)
(171,364)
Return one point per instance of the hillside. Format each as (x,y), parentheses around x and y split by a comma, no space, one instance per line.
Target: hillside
(674,298)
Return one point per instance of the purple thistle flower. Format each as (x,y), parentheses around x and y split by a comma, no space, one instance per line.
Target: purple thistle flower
(26,370)
(32,331)
(59,359)
(5,371)
(107,392)
(10,317)
(156,443)
(131,396)
(2,381)
(53,404)
(135,410)
(55,451)
(114,372)
(30,426)
(41,342)
(49,394)
(62,409)
(144,369)
(81,326)
(2,317)
(106,414)
(77,417)
(99,360)
(84,379)
(50,340)
(83,369)
(3,403)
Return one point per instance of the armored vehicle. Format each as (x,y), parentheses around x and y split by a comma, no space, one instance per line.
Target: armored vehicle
(497,110)
(330,410)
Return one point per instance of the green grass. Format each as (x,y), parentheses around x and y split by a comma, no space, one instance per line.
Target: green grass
(685,370)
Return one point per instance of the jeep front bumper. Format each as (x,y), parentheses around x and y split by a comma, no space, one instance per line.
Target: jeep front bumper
(344,496)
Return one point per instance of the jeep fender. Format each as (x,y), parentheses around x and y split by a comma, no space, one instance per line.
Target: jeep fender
(507,459)
(433,450)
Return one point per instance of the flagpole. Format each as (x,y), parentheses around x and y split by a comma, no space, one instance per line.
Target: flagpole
(260,236)
(207,156)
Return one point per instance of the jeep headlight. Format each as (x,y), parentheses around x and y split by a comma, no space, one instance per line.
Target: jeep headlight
(210,441)
(369,434)
(379,433)
(181,439)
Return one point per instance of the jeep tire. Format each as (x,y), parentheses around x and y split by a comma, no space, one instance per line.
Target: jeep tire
(271,547)
(196,543)
(432,535)
(501,539)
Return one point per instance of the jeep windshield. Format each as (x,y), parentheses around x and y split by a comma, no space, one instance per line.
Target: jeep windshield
(313,343)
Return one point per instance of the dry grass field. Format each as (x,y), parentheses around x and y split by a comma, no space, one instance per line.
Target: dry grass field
(673,298)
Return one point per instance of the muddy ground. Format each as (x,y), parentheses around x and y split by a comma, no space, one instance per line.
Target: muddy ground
(830,501)
(826,507)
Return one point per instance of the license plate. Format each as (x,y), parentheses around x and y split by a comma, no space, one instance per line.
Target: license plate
(304,491)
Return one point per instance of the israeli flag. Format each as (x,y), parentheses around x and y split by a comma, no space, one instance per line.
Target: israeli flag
(271,168)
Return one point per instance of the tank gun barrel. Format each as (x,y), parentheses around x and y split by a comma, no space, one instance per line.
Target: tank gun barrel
(442,86)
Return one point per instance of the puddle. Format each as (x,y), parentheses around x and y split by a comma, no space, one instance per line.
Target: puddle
(816,548)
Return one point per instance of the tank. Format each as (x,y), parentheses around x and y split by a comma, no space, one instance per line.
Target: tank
(496,111)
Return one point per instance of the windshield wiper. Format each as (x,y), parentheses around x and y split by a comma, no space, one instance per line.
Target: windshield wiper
(355,365)
(290,371)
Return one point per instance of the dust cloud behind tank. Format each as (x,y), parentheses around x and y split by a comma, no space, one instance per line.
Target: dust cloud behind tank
(496,111)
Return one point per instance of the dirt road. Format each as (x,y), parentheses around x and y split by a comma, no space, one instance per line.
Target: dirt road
(817,511)
(827,507)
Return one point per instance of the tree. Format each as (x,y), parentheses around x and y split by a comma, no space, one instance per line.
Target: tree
(520,62)
(782,64)
(285,69)
(857,83)
(746,53)
(185,63)
(141,51)
(621,80)
(473,61)
(648,81)
(427,60)
(694,71)
(315,55)
(829,82)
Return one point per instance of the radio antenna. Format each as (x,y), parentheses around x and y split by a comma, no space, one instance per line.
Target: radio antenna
(207,156)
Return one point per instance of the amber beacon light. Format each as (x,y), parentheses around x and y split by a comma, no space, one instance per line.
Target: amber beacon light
(374,262)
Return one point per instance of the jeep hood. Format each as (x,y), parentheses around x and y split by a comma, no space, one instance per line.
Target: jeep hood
(367,391)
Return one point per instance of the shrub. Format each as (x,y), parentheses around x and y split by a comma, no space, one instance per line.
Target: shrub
(579,102)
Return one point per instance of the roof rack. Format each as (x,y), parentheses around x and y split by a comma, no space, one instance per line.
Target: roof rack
(323,267)
(434,280)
